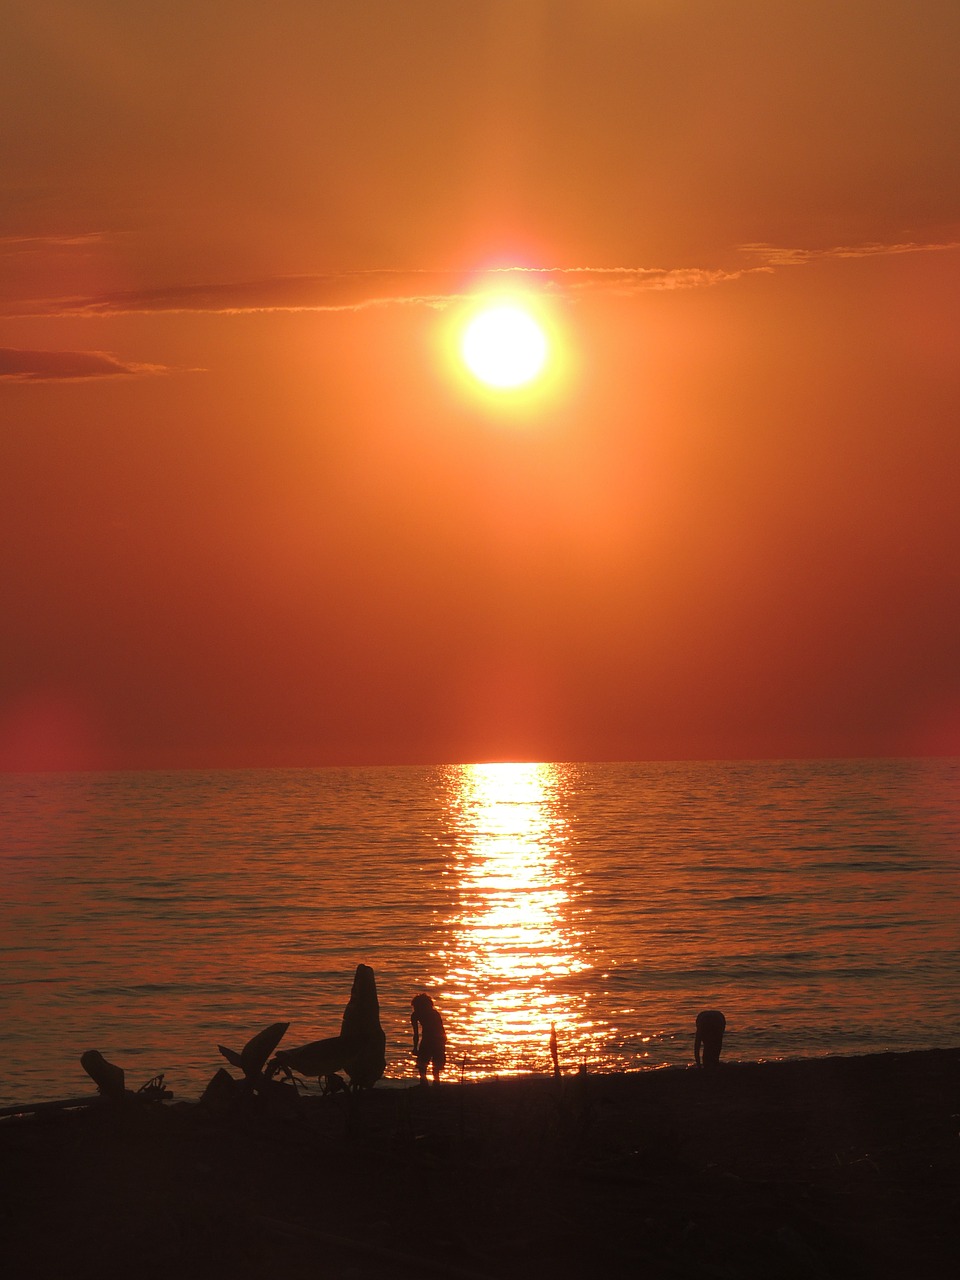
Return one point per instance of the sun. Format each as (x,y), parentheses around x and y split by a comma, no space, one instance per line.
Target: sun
(504,346)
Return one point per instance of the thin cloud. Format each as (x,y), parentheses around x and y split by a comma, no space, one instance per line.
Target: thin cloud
(778,256)
(38,243)
(359,290)
(354,291)
(68,366)
(627,280)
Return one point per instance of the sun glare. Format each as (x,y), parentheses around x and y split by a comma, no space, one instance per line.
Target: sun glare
(504,346)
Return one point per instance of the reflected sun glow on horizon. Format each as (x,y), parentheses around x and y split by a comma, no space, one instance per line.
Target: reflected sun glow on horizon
(513,946)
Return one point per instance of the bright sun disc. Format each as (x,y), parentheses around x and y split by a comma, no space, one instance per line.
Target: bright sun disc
(504,347)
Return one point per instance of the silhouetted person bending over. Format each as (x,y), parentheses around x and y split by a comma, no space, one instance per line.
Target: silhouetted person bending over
(430,1043)
(711,1025)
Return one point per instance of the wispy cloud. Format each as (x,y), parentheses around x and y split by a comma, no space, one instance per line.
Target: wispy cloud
(358,290)
(42,243)
(59,366)
(353,291)
(777,256)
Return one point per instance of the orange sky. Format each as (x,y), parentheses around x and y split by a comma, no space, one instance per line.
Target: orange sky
(251,513)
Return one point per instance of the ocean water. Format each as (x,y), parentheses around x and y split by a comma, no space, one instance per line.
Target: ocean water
(154,916)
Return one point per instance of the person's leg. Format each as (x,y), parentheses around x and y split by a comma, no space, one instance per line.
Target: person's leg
(711,1049)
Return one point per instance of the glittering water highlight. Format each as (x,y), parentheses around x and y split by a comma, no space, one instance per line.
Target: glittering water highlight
(154,916)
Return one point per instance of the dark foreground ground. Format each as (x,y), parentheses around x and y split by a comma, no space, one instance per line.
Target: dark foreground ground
(827,1168)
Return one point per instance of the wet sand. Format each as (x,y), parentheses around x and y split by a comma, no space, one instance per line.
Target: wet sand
(836,1167)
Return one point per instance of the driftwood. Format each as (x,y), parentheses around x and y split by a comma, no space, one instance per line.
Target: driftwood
(224,1092)
(42,1108)
(253,1056)
(108,1078)
(111,1081)
(360,1049)
(319,1058)
(111,1090)
(362,1032)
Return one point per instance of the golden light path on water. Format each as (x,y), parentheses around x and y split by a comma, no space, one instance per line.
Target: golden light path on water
(514,942)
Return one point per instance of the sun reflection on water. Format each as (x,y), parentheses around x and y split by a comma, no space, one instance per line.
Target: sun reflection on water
(514,943)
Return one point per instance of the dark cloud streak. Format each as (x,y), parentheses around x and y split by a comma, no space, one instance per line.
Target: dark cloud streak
(58,366)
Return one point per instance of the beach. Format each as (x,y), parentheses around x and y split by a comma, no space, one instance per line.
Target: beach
(829,1167)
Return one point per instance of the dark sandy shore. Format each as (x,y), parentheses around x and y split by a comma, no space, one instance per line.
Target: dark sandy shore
(837,1167)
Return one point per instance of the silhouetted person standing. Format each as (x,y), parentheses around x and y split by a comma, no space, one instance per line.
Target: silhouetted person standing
(429,1037)
(711,1025)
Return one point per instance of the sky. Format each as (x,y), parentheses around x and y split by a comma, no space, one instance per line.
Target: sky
(254,511)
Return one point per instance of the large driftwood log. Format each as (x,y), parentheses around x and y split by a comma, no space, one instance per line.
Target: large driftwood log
(41,1108)
(361,1047)
(318,1058)
(362,1033)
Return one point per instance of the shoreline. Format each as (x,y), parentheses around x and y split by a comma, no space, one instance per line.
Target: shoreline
(392,1083)
(823,1167)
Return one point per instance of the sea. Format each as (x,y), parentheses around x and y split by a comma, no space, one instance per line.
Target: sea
(156,916)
